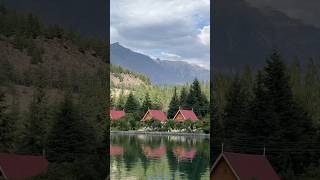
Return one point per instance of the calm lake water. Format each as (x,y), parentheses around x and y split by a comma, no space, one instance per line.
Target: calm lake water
(159,157)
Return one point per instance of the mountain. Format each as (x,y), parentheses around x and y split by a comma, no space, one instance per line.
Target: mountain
(243,34)
(159,71)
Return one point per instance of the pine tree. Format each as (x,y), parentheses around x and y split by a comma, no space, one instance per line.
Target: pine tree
(174,104)
(6,127)
(146,104)
(35,131)
(197,100)
(121,100)
(294,124)
(235,117)
(71,138)
(132,105)
(263,125)
(183,96)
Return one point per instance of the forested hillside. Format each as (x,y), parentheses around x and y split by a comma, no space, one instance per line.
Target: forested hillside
(124,81)
(274,110)
(53,96)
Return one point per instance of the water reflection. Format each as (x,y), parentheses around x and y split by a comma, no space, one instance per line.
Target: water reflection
(155,157)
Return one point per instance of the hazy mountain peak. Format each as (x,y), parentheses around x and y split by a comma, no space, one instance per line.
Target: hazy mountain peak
(159,71)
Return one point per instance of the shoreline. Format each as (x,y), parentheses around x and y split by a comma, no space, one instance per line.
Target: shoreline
(160,133)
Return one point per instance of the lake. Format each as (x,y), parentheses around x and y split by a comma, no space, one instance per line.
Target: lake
(149,157)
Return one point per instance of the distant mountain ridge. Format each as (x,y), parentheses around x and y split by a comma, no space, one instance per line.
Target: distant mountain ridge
(247,35)
(159,71)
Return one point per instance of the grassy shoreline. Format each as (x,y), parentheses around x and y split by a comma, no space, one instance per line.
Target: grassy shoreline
(159,133)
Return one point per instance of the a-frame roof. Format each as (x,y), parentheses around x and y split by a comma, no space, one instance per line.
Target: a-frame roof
(15,166)
(187,114)
(245,166)
(156,114)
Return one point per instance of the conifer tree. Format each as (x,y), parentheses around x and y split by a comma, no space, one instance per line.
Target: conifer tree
(235,116)
(183,96)
(197,100)
(132,105)
(174,104)
(262,124)
(34,135)
(6,127)
(293,123)
(146,104)
(71,137)
(121,100)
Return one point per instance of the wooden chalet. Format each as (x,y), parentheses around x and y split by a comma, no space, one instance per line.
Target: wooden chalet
(116,114)
(21,167)
(183,115)
(234,166)
(155,114)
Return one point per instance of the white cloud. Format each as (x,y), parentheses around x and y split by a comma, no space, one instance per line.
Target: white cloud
(157,27)
(204,35)
(170,55)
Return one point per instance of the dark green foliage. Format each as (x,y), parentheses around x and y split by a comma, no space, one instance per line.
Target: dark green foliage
(174,104)
(25,28)
(6,126)
(271,113)
(183,97)
(7,72)
(71,137)
(121,101)
(293,122)
(146,105)
(132,105)
(236,110)
(34,134)
(197,100)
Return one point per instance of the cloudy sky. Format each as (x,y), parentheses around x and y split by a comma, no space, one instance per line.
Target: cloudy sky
(165,29)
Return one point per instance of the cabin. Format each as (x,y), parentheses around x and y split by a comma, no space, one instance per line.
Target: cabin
(183,115)
(155,114)
(21,167)
(235,166)
(116,114)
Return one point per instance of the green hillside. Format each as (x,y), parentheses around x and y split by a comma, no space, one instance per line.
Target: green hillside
(124,81)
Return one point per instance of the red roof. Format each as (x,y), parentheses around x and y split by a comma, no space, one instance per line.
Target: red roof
(21,166)
(188,114)
(157,114)
(154,152)
(115,150)
(114,114)
(248,166)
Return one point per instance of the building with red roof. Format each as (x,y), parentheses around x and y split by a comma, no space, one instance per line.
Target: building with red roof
(235,166)
(21,167)
(115,114)
(155,114)
(183,115)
